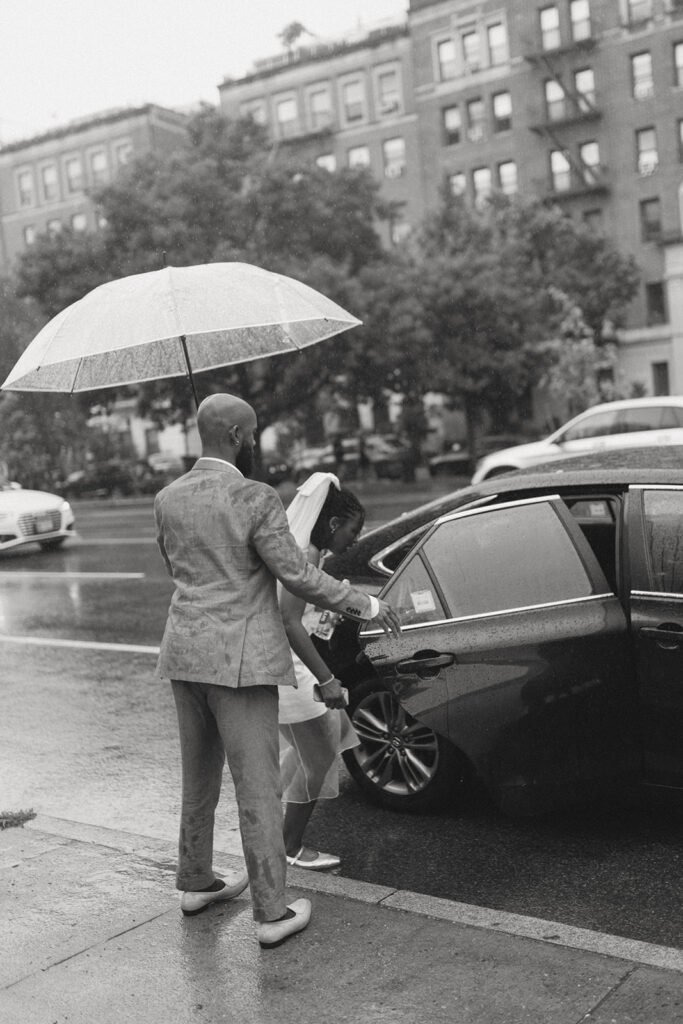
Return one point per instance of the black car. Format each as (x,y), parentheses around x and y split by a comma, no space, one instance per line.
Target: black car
(542,648)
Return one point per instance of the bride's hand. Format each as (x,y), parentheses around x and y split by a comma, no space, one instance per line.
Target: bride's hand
(332,694)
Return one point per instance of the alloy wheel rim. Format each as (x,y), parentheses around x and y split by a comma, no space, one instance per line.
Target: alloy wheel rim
(397,754)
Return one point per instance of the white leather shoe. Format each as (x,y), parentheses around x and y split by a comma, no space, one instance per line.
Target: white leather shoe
(274,933)
(194,902)
(321,862)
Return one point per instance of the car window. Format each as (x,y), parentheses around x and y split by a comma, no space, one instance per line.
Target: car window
(597,425)
(663,513)
(413,596)
(506,558)
(393,558)
(654,417)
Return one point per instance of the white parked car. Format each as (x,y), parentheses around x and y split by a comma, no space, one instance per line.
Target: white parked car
(33,517)
(631,423)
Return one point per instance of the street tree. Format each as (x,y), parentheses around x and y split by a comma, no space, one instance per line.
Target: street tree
(488,279)
(38,432)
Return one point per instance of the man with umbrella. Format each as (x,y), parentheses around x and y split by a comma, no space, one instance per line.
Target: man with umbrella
(226,541)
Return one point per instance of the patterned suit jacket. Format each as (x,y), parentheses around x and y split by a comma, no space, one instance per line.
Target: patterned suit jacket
(226,541)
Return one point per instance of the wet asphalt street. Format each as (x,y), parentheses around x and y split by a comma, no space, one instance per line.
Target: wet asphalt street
(87,733)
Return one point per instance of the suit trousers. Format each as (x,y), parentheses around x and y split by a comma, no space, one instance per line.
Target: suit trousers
(215,722)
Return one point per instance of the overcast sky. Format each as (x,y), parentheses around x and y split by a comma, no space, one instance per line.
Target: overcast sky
(61,59)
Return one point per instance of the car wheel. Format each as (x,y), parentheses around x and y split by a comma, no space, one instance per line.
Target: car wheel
(400,763)
(52,545)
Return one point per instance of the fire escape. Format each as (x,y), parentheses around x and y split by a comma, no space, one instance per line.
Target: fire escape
(564,107)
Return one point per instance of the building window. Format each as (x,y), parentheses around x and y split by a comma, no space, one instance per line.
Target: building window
(660,379)
(452,125)
(593,220)
(326,162)
(584,85)
(502,112)
(54,227)
(319,108)
(353,101)
(476,120)
(394,154)
(639,10)
(580,17)
(123,153)
(589,153)
(255,109)
(26,188)
(29,234)
(79,222)
(655,303)
(359,156)
(399,230)
(549,18)
(287,117)
(650,219)
(560,171)
(507,177)
(49,182)
(498,44)
(471,51)
(448,65)
(457,182)
(678,64)
(646,149)
(388,92)
(642,83)
(73,169)
(98,167)
(483,184)
(555,100)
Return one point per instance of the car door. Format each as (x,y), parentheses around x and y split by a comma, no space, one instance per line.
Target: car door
(590,433)
(515,648)
(655,564)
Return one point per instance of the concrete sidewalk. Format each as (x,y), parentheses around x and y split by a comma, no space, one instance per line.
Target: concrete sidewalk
(92,934)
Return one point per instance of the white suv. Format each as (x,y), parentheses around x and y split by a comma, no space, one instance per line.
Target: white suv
(627,424)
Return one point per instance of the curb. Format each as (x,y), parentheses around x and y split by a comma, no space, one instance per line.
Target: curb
(163,853)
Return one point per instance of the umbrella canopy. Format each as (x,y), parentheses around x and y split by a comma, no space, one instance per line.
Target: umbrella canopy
(172,322)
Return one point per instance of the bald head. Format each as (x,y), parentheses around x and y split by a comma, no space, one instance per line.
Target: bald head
(226,426)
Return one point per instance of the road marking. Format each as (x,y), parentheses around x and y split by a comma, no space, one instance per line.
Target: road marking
(85,645)
(94,543)
(21,575)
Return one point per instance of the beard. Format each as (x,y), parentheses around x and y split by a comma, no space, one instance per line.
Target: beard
(245,459)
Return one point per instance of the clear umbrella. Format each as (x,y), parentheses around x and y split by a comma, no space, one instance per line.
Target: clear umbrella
(173,322)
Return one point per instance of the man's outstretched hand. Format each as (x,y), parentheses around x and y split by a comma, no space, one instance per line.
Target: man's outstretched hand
(387,619)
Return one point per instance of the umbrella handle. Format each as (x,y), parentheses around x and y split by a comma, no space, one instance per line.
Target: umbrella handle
(186,356)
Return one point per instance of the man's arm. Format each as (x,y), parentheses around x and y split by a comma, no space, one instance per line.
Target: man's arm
(160,538)
(274,543)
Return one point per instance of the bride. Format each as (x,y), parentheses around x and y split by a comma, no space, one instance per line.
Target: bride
(314,728)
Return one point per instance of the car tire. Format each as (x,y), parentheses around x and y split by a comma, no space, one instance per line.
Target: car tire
(433,775)
(52,545)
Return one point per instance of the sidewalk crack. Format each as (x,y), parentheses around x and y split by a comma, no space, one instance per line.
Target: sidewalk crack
(85,949)
(608,995)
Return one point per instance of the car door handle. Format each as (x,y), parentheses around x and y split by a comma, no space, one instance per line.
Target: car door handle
(428,662)
(668,636)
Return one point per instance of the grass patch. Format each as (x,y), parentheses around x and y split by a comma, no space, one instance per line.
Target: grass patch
(15,819)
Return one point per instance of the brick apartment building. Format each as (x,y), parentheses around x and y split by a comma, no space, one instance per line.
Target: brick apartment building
(46,181)
(578,101)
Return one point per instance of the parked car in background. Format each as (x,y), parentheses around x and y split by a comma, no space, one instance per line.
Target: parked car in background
(457,461)
(33,517)
(386,455)
(630,423)
(542,644)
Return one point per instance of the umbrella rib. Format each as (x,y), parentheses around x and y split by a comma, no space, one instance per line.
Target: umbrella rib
(78,370)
